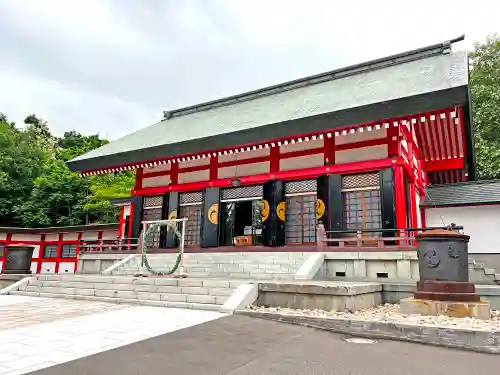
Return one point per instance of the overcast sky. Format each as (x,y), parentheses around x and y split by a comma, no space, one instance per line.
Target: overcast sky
(112,66)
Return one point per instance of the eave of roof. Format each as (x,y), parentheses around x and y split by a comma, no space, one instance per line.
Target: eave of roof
(463,194)
(411,85)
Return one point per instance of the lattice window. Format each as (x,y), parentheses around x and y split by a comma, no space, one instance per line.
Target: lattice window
(50,251)
(68,251)
(152,209)
(190,198)
(304,186)
(361,181)
(2,250)
(300,224)
(150,214)
(362,209)
(242,192)
(192,235)
(150,202)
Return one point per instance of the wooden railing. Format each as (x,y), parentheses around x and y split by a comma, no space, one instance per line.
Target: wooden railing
(381,238)
(389,239)
(110,245)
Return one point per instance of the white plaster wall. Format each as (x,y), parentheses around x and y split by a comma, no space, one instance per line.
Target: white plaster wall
(359,137)
(48,267)
(300,162)
(259,153)
(51,237)
(110,235)
(244,170)
(36,251)
(481,223)
(126,210)
(26,237)
(310,145)
(185,177)
(89,236)
(419,211)
(66,267)
(70,236)
(158,168)
(156,181)
(360,154)
(194,163)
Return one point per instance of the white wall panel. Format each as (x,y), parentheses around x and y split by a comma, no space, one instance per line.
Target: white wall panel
(361,154)
(481,223)
(67,267)
(48,267)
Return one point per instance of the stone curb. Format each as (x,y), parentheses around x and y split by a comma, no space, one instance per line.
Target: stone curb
(472,340)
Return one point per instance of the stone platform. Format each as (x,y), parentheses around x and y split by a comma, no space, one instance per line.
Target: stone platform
(325,295)
(479,310)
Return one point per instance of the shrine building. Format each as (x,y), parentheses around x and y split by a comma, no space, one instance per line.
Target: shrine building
(354,148)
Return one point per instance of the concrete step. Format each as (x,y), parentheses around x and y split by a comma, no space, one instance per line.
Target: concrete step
(159,303)
(151,285)
(131,295)
(134,290)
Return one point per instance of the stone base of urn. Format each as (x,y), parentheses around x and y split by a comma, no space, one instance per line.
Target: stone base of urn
(454,299)
(479,310)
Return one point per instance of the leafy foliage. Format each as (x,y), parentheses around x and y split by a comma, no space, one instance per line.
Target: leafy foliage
(485,88)
(37,189)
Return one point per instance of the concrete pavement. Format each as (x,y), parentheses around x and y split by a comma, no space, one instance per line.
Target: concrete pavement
(240,345)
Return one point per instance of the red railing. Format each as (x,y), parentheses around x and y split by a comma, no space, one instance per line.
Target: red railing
(372,238)
(110,245)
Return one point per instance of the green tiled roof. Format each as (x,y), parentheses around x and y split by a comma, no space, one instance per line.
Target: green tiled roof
(411,74)
(464,193)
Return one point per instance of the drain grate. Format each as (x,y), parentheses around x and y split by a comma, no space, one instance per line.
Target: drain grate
(360,340)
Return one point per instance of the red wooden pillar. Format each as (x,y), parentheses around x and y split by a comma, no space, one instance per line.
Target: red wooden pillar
(121,224)
(59,251)
(8,239)
(274,160)
(40,254)
(79,239)
(329,149)
(399,197)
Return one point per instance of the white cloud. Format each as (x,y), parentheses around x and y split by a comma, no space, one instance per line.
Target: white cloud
(112,65)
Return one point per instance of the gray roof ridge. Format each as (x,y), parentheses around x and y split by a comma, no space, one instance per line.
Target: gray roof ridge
(384,62)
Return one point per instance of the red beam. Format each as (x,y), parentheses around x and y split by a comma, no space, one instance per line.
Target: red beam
(362,144)
(300,174)
(442,165)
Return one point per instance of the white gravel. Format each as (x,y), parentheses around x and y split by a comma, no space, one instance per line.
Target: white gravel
(389,313)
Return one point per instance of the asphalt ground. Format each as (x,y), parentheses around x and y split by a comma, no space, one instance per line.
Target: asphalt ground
(240,345)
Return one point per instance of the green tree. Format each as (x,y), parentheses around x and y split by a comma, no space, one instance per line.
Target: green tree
(57,198)
(73,144)
(485,88)
(37,189)
(23,155)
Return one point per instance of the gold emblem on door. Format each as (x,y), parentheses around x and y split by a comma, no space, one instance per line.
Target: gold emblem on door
(280,210)
(320,208)
(172,215)
(213,213)
(264,210)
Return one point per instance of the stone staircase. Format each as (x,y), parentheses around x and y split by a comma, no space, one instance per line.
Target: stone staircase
(480,273)
(152,291)
(255,266)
